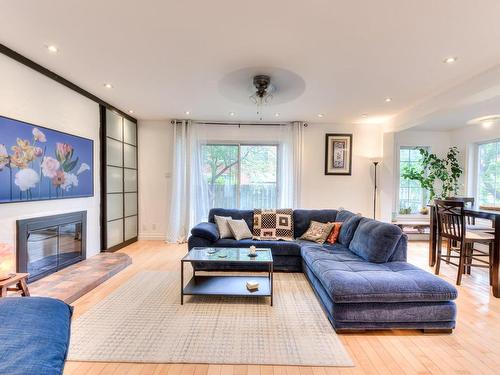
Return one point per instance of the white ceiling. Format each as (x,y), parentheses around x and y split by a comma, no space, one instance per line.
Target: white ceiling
(165,57)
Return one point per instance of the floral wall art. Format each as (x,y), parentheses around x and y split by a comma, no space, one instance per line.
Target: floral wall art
(37,163)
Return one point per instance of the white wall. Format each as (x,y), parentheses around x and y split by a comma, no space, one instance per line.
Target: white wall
(29,96)
(353,192)
(155,159)
(317,191)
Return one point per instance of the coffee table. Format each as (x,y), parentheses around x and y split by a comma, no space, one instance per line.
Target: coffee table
(227,285)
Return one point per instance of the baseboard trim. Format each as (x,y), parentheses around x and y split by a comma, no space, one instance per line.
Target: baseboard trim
(151,237)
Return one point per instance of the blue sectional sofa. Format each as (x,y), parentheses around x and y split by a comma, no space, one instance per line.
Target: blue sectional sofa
(363,281)
(34,335)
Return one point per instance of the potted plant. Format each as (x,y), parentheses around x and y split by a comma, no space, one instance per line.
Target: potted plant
(439,176)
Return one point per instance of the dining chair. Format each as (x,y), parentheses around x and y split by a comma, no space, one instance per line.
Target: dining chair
(471,221)
(451,222)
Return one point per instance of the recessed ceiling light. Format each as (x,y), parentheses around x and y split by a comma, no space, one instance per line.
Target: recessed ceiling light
(52,48)
(232,114)
(487,124)
(108,85)
(187,113)
(276,115)
(130,111)
(450,60)
(321,115)
(388,100)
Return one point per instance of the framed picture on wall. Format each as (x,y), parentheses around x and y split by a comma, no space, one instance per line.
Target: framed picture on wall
(338,154)
(38,163)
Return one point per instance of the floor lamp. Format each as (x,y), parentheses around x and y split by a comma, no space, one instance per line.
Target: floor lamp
(375,164)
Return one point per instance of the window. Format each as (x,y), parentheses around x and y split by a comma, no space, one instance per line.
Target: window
(241,176)
(411,196)
(488,174)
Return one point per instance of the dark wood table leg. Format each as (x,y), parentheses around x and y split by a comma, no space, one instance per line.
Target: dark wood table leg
(495,274)
(432,238)
(23,287)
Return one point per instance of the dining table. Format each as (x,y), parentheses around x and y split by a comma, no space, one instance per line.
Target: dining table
(474,212)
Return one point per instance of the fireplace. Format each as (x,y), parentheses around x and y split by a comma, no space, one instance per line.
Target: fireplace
(47,244)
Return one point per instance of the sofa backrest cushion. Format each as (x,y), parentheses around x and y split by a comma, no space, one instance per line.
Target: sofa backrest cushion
(246,215)
(375,241)
(302,219)
(350,223)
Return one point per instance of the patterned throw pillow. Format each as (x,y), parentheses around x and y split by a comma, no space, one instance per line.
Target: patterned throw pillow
(334,234)
(317,232)
(223,226)
(273,224)
(239,229)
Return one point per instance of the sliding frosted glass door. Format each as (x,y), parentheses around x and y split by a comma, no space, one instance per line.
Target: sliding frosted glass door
(119,185)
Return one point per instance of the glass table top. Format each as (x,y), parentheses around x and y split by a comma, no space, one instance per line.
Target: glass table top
(224,254)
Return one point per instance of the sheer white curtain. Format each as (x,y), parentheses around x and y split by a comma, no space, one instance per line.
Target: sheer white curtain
(290,164)
(189,194)
(189,199)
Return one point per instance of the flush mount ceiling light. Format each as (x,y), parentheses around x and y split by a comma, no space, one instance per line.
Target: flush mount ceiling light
(485,121)
(321,115)
(108,85)
(52,48)
(388,100)
(450,59)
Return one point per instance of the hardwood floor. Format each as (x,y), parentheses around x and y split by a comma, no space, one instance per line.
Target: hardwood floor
(473,348)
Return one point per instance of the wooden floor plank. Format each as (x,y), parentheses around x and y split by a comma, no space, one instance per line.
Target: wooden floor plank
(471,349)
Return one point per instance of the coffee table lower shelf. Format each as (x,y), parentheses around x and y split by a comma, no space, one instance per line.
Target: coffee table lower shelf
(229,286)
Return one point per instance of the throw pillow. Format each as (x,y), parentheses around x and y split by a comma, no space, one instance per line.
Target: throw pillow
(223,226)
(273,224)
(239,229)
(317,232)
(334,234)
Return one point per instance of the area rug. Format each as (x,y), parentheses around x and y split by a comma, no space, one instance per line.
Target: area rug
(143,321)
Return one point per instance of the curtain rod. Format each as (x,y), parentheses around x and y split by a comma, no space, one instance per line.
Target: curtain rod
(173,122)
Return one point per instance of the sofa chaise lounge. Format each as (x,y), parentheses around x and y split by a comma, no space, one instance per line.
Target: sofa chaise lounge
(363,281)
(34,335)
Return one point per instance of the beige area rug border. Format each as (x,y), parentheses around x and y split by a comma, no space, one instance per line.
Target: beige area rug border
(143,322)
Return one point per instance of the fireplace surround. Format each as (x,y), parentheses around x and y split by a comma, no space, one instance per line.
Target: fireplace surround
(47,244)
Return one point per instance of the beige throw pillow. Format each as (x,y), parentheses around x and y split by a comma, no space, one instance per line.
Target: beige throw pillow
(223,226)
(317,232)
(239,229)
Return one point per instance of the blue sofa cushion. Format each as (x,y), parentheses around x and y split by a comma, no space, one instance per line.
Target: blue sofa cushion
(375,241)
(206,230)
(350,279)
(34,335)
(348,228)
(302,219)
(246,215)
(281,248)
(343,215)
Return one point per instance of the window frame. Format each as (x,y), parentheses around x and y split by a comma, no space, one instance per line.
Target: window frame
(398,182)
(251,143)
(476,161)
